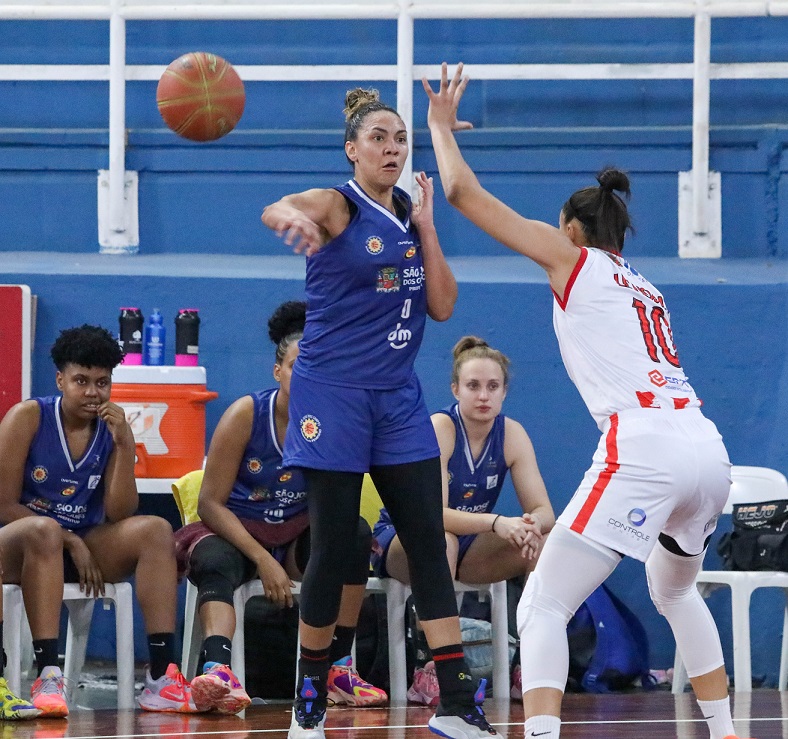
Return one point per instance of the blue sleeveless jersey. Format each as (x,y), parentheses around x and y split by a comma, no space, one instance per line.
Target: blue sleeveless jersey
(55,485)
(366,299)
(475,484)
(264,490)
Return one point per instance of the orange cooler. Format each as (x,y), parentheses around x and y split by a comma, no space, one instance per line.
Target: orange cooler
(165,407)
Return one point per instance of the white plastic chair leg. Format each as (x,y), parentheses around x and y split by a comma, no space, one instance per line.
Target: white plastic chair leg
(500,637)
(742,665)
(13,615)
(80,613)
(782,683)
(124,639)
(396,595)
(238,658)
(192,633)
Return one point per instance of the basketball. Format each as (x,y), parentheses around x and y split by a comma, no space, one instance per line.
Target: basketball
(200,96)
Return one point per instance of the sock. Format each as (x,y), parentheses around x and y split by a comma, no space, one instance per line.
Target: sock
(454,677)
(342,644)
(5,658)
(45,651)
(216,648)
(547,726)
(718,717)
(161,649)
(313,666)
(423,654)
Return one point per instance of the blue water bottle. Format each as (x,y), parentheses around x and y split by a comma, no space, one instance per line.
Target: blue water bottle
(155,334)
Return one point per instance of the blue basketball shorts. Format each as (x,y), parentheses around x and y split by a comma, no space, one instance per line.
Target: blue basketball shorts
(351,429)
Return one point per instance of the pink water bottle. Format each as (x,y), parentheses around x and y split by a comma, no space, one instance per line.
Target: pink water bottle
(187,337)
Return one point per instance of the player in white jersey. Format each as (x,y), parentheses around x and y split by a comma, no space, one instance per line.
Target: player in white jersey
(660,475)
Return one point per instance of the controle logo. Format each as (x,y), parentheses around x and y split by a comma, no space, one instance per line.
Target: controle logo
(637,517)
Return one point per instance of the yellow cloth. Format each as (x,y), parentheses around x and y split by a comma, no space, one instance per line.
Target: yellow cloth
(370,501)
(186,492)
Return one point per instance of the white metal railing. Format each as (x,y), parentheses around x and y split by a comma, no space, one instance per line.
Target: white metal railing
(701,217)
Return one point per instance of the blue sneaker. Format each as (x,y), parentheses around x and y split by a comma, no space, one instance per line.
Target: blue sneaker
(461,722)
(309,714)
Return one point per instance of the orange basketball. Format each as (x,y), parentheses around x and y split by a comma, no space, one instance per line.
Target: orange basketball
(200,96)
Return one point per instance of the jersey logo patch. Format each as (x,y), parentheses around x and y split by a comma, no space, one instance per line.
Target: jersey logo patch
(310,428)
(93,482)
(374,245)
(657,378)
(410,253)
(388,280)
(254,465)
(285,476)
(39,474)
(259,494)
(492,481)
(69,491)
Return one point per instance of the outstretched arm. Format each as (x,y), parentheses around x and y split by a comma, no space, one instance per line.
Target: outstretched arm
(539,241)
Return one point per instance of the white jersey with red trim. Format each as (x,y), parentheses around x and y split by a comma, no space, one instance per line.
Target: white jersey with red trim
(613,328)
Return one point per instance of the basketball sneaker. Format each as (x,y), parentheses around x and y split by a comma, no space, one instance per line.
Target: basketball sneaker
(462,722)
(170,693)
(13,708)
(219,689)
(346,687)
(309,714)
(49,693)
(424,688)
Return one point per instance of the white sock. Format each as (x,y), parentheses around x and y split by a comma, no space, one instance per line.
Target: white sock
(718,717)
(547,726)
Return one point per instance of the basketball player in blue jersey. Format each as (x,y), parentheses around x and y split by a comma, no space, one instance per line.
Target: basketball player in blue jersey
(660,465)
(479,445)
(67,503)
(254,524)
(374,271)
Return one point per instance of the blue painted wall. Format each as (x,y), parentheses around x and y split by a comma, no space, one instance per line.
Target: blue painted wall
(534,143)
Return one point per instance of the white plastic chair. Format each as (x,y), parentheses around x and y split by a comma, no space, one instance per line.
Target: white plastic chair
(750,485)
(80,613)
(396,597)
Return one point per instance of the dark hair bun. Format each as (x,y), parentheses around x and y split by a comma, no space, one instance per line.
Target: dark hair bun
(467,342)
(610,179)
(288,318)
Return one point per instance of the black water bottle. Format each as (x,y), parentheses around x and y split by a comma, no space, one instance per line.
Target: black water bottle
(187,337)
(130,335)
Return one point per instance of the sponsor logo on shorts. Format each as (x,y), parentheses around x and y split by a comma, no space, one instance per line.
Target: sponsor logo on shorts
(632,530)
(39,474)
(69,491)
(657,378)
(388,280)
(285,476)
(310,428)
(711,522)
(254,465)
(492,481)
(374,245)
(637,517)
(411,252)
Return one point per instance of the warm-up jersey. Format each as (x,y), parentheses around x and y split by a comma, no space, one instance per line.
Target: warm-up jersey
(613,328)
(366,299)
(264,490)
(55,485)
(475,484)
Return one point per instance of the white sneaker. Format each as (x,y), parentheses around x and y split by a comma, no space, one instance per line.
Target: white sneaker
(309,715)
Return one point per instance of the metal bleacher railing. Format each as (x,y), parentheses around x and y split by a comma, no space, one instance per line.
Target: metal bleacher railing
(699,189)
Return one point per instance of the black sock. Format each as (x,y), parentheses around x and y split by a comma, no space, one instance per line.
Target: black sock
(454,678)
(313,666)
(342,643)
(161,649)
(45,651)
(216,648)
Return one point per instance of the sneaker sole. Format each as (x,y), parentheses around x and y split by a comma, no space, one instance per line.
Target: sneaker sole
(53,711)
(20,714)
(208,693)
(422,699)
(233,704)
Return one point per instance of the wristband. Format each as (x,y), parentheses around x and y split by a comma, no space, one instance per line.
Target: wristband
(492,528)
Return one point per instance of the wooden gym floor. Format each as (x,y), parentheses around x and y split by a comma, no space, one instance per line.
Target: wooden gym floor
(655,715)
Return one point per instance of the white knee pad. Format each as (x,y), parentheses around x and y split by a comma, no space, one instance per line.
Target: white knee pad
(671,584)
